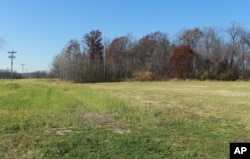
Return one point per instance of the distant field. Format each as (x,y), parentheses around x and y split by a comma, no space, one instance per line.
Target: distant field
(174,120)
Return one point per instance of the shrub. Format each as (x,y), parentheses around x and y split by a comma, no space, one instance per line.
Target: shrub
(143,75)
(209,74)
(226,75)
(213,72)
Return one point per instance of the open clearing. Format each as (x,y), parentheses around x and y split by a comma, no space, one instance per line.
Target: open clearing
(176,119)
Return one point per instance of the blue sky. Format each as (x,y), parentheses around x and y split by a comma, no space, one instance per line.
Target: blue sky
(39,29)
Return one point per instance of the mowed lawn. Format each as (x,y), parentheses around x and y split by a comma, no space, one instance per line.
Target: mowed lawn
(173,120)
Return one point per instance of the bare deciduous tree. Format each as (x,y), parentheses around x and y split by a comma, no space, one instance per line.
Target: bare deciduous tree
(191,37)
(234,32)
(210,47)
(119,57)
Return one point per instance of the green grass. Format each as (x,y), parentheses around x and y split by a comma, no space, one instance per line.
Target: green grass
(53,119)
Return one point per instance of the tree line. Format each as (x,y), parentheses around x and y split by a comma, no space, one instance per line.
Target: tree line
(6,74)
(198,53)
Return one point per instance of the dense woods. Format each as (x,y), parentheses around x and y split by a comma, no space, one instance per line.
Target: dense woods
(198,53)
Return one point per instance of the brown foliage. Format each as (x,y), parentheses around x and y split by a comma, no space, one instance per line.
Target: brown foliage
(117,48)
(148,45)
(223,65)
(143,76)
(182,61)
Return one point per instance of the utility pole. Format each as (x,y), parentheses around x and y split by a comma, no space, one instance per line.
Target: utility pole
(22,69)
(12,57)
(26,70)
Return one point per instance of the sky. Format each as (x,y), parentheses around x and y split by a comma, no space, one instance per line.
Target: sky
(38,30)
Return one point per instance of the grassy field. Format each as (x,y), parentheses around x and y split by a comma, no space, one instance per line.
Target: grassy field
(174,120)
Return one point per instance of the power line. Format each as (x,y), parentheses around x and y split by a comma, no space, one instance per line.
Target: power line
(12,57)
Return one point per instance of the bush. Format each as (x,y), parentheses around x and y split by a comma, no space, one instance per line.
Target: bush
(210,74)
(228,75)
(143,75)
